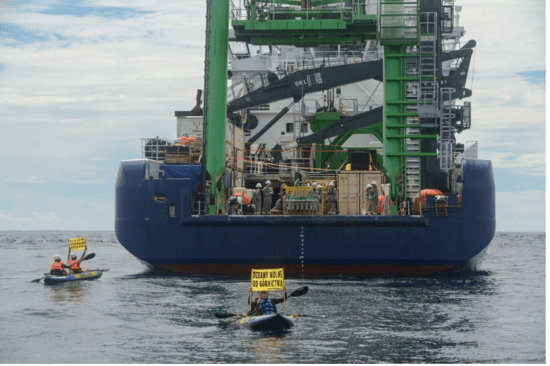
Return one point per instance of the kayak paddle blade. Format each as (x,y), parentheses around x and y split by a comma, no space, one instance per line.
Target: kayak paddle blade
(299,292)
(89,256)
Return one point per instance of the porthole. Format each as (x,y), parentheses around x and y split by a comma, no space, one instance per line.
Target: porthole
(159,198)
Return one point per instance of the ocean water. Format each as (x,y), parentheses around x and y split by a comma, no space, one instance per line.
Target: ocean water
(135,315)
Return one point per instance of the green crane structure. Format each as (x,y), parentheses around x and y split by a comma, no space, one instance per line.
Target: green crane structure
(399,28)
(215,103)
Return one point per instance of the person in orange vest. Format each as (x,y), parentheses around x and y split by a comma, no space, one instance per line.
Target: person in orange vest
(57,267)
(73,263)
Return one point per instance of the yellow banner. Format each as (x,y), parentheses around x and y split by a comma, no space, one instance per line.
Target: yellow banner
(268,279)
(77,244)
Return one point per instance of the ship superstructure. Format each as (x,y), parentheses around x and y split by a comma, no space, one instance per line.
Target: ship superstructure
(340,93)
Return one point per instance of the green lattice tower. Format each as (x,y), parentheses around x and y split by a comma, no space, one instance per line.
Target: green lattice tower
(399,35)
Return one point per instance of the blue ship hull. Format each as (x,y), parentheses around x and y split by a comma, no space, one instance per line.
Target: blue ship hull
(306,246)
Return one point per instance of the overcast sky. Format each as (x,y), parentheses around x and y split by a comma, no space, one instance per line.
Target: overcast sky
(81,82)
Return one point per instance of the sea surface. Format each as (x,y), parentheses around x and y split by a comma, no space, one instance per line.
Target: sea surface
(136,315)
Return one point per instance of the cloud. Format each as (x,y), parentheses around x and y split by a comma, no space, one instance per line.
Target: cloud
(80,88)
(513,215)
(50,217)
(531,164)
(25,180)
(97,181)
(13,219)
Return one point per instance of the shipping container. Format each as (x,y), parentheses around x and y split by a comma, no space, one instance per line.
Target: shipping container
(352,187)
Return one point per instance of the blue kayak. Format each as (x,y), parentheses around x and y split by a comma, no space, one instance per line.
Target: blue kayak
(268,322)
(84,276)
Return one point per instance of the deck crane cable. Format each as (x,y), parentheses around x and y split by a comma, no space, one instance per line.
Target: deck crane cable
(372,94)
(276,142)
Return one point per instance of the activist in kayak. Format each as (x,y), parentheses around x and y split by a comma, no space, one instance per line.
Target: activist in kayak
(263,304)
(73,263)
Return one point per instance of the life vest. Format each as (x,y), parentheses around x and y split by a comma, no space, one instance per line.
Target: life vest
(57,265)
(75,265)
(265,307)
(381,204)
(184,140)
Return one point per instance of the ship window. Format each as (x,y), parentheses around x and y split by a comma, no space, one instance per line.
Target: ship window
(171,211)
(238,48)
(258,50)
(159,198)
(289,127)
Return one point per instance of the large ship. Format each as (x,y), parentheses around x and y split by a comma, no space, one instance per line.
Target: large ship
(323,94)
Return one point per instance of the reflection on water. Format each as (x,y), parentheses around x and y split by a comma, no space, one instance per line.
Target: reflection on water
(269,347)
(68,292)
(132,315)
(414,319)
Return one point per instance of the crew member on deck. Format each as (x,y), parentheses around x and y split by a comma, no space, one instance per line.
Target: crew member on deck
(257,199)
(332,196)
(268,192)
(369,201)
(234,204)
(263,305)
(73,263)
(374,197)
(57,267)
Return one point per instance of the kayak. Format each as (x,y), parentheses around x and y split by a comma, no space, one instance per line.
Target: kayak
(84,276)
(268,322)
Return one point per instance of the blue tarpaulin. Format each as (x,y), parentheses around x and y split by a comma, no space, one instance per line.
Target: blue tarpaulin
(183,171)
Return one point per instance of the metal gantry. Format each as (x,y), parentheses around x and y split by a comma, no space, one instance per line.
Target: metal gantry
(412,99)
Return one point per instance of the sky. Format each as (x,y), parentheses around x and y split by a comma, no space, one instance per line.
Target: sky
(81,82)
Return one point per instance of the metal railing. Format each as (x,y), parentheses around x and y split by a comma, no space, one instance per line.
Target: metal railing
(249,84)
(155,148)
(263,78)
(445,138)
(272,10)
(398,20)
(335,58)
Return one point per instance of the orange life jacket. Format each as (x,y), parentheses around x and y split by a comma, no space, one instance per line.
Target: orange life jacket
(184,140)
(381,204)
(75,265)
(57,265)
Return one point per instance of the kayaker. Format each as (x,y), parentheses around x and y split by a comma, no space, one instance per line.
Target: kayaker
(74,265)
(263,305)
(57,267)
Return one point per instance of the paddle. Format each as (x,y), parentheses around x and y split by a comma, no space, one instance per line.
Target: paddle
(307,316)
(89,256)
(227,315)
(299,292)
